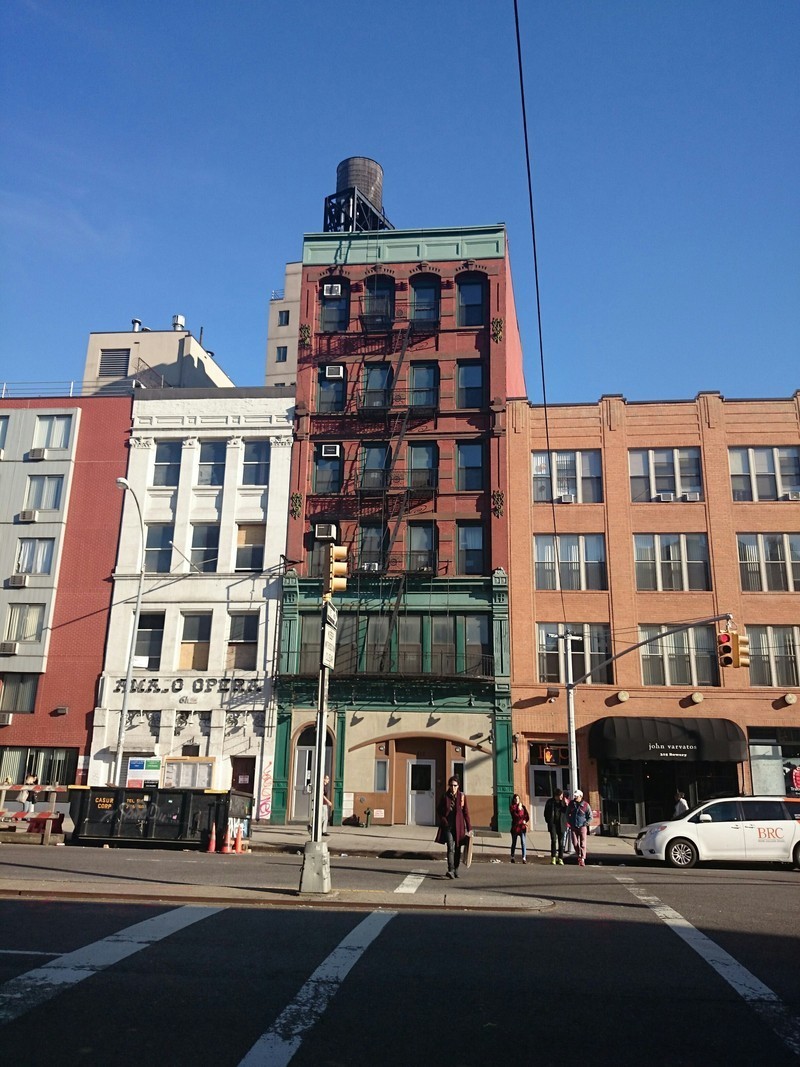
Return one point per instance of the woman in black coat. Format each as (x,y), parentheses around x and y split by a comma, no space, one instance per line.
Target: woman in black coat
(555,815)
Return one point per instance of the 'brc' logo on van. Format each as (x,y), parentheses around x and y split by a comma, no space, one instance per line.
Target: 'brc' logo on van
(770,833)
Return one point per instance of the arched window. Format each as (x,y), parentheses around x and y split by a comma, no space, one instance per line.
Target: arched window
(472,310)
(334,295)
(379,299)
(425,298)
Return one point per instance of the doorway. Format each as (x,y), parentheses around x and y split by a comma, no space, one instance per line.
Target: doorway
(543,780)
(304,772)
(421,781)
(244,774)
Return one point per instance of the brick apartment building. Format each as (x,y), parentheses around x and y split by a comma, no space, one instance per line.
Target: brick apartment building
(639,517)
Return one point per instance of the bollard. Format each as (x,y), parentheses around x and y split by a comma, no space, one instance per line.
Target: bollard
(368,816)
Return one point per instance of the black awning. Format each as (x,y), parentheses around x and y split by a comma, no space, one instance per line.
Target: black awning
(718,740)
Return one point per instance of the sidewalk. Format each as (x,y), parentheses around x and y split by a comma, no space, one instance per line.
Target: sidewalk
(417,843)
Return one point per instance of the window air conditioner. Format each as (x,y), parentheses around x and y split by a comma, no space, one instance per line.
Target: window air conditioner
(793,495)
(8,648)
(6,718)
(566,498)
(331,451)
(691,498)
(332,290)
(665,498)
(37,454)
(335,371)
(325,531)
(370,567)
(17,581)
(28,516)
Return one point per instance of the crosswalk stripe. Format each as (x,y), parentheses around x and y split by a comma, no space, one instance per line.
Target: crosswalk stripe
(411,882)
(19,995)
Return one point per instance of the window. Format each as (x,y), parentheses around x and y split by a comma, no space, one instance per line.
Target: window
(592,647)
(310,632)
(577,477)
(52,431)
(774,655)
(250,547)
(570,561)
(469,385)
(764,473)
(379,300)
(376,460)
(212,463)
(334,297)
(281,353)
(423,462)
(331,395)
(724,811)
(256,463)
(686,658)
(3,430)
(372,555)
(327,472)
(283,318)
(381,776)
(205,547)
(763,811)
(471,309)
(671,562)
(378,655)
(24,623)
(34,555)
(18,692)
(469,463)
(769,562)
(377,386)
(421,546)
(671,472)
(243,642)
(469,554)
(149,639)
(44,492)
(158,551)
(409,644)
(478,657)
(425,298)
(167,468)
(195,642)
(424,382)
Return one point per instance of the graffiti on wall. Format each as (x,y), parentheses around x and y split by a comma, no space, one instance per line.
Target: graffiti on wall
(265,802)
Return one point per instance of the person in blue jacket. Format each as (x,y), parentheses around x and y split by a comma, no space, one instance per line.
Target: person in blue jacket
(579,816)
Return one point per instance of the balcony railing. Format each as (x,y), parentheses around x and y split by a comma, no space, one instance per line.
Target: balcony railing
(414,663)
(416,481)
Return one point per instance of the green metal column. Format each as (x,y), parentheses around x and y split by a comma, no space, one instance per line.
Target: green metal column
(338,766)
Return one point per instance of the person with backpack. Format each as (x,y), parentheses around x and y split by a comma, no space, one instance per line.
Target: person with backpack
(555,815)
(579,816)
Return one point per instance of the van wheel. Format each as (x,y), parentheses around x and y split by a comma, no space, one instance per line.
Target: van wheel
(796,855)
(681,853)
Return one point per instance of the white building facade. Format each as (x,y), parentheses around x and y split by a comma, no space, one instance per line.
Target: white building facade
(210,471)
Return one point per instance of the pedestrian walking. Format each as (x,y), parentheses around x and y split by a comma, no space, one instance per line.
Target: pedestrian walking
(454,825)
(681,805)
(327,804)
(579,816)
(555,815)
(519,826)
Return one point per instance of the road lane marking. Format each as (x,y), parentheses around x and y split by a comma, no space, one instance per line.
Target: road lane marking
(411,882)
(278,1045)
(760,997)
(19,995)
(25,952)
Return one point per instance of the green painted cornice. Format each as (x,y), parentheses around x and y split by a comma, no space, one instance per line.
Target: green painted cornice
(406,246)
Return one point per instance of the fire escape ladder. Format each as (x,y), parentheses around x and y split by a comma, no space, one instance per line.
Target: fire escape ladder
(402,337)
(397,431)
(392,623)
(401,514)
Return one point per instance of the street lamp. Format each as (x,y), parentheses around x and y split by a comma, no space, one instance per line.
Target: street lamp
(125,486)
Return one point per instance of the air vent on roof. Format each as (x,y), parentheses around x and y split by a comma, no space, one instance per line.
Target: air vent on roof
(114,362)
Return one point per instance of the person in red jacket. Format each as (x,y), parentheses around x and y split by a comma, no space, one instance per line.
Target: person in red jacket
(519,826)
(454,825)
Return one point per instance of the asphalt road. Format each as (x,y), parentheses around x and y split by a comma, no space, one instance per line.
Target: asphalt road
(625,964)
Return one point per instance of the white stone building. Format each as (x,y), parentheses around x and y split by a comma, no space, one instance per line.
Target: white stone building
(210,471)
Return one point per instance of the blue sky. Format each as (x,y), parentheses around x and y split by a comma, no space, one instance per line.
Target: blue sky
(162,158)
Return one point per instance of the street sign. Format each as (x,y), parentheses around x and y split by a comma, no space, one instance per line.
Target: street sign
(328,646)
(331,614)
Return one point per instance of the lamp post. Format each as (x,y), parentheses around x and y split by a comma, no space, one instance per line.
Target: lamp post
(125,486)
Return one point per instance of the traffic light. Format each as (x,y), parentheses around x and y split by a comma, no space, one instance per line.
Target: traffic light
(725,649)
(335,571)
(741,650)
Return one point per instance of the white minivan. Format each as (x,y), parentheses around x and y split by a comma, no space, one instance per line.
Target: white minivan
(736,829)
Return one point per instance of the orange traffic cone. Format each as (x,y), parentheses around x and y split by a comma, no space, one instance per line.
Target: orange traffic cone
(212,839)
(226,849)
(237,845)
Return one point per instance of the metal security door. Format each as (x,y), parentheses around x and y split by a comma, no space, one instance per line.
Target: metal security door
(303,783)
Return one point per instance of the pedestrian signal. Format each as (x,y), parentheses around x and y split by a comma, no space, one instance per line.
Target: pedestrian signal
(335,580)
(724,649)
(741,650)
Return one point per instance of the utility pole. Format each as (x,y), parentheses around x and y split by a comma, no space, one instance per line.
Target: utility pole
(568,637)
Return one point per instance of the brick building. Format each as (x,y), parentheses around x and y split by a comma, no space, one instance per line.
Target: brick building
(408,348)
(636,518)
